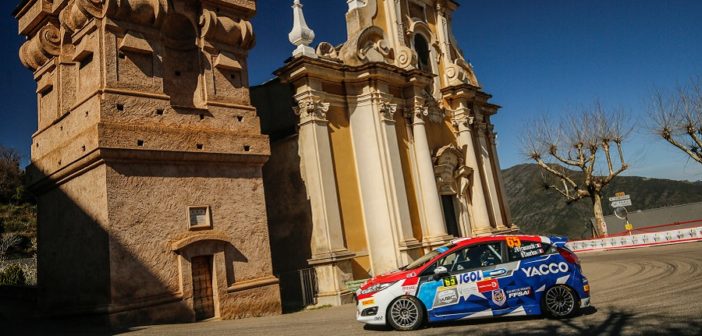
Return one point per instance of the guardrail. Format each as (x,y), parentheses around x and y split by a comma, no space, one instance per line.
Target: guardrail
(634,240)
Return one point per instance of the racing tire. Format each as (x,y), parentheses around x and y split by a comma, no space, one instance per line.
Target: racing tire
(405,313)
(560,301)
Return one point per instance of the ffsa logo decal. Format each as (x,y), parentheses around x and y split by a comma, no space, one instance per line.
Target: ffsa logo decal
(544,269)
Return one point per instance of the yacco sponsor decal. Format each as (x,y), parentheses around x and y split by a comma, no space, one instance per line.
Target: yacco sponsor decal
(445,297)
(488,285)
(517,292)
(513,241)
(545,269)
(499,297)
(442,249)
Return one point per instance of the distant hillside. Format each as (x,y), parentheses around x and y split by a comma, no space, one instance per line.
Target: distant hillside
(538,210)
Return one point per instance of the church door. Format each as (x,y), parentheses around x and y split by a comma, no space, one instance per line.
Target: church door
(450,215)
(203,301)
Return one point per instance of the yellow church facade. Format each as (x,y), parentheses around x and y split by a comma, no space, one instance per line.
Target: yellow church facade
(382,147)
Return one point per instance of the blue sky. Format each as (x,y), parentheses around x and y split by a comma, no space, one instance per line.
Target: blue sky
(534,57)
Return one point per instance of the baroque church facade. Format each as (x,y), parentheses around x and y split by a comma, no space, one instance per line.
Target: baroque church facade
(152,155)
(385,149)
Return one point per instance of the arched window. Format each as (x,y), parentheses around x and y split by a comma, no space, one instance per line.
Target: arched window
(421,46)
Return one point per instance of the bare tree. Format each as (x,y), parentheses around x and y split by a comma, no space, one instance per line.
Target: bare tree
(10,174)
(677,118)
(577,141)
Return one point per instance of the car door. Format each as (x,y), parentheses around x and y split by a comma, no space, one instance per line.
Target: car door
(465,289)
(525,288)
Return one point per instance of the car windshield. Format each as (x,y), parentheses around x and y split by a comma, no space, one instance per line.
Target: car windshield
(427,257)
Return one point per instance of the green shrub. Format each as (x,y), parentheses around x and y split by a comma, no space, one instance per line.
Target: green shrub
(12,276)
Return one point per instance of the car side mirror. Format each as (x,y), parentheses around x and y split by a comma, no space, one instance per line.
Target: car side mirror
(440,272)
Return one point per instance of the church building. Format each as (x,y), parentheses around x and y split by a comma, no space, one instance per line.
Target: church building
(382,147)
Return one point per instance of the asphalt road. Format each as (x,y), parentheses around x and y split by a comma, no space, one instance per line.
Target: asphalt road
(649,291)
(655,290)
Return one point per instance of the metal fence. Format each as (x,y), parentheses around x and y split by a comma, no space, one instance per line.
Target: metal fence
(308,284)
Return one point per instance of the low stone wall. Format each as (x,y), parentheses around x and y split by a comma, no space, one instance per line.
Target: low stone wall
(637,240)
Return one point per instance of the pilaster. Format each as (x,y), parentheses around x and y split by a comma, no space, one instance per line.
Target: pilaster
(422,111)
(330,257)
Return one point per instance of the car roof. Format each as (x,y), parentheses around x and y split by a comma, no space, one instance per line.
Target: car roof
(473,240)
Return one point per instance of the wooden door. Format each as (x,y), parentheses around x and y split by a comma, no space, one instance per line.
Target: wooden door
(203,300)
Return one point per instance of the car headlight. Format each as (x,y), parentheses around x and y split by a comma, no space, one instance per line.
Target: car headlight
(377,288)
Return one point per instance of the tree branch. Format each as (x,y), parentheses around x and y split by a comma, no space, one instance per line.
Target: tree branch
(558,174)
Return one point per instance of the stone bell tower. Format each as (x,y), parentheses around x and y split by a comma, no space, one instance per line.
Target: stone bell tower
(147,160)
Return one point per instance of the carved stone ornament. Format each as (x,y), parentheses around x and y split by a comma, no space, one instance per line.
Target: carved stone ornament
(45,45)
(447,163)
(386,108)
(427,107)
(327,50)
(460,72)
(143,12)
(310,109)
(222,29)
(372,46)
(406,58)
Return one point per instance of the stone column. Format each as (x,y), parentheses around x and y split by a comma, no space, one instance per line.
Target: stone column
(330,257)
(481,216)
(433,211)
(488,174)
(383,194)
(500,183)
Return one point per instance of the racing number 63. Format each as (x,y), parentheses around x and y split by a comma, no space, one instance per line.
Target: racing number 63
(450,281)
(513,242)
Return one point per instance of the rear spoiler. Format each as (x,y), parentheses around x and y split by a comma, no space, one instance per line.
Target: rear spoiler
(558,241)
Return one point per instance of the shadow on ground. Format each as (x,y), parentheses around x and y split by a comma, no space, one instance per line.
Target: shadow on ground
(616,322)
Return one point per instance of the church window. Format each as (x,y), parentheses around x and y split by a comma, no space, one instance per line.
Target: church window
(421,46)
(450,215)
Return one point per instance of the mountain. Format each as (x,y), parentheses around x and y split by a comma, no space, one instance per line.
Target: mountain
(538,210)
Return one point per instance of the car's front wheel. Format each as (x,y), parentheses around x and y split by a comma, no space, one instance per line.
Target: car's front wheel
(405,313)
(560,301)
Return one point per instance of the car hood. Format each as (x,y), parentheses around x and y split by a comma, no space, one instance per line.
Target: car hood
(390,277)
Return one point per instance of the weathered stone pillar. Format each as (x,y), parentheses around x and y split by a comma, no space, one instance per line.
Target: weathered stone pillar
(330,257)
(500,183)
(489,175)
(433,211)
(481,216)
(381,183)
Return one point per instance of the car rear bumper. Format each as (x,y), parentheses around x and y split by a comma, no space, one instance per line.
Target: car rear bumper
(585,302)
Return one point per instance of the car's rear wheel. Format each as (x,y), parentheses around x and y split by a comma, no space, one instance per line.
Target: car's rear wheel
(560,301)
(405,313)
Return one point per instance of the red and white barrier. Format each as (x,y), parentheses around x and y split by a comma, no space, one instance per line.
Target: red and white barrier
(637,240)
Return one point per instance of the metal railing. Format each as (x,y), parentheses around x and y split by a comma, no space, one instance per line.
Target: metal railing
(308,284)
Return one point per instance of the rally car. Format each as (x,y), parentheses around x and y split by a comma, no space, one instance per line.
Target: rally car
(478,278)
